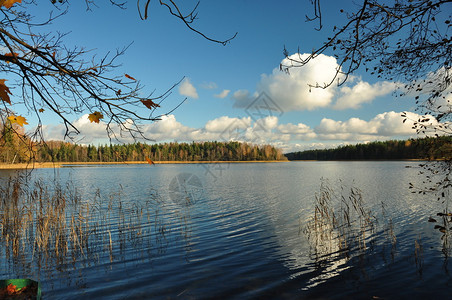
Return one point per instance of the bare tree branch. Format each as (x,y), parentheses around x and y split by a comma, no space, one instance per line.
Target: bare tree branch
(403,41)
(73,81)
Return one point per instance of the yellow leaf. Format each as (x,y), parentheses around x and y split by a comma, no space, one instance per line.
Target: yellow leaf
(9,3)
(4,91)
(95,117)
(18,119)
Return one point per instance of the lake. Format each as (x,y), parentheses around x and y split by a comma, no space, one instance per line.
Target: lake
(231,231)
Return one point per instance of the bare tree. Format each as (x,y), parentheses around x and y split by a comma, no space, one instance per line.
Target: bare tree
(66,81)
(407,41)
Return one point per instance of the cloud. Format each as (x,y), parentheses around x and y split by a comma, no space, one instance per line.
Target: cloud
(223,94)
(294,91)
(432,84)
(391,123)
(209,85)
(353,125)
(167,128)
(187,89)
(297,132)
(243,98)
(382,126)
(268,130)
(267,124)
(89,132)
(290,128)
(362,92)
(222,123)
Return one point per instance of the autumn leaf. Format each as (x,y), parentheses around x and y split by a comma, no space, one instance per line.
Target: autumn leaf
(4,91)
(11,55)
(19,120)
(14,54)
(11,289)
(149,161)
(95,117)
(130,77)
(149,103)
(9,3)
(41,110)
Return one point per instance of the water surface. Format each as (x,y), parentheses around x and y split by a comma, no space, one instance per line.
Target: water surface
(239,231)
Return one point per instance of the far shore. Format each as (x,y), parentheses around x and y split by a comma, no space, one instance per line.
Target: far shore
(36,165)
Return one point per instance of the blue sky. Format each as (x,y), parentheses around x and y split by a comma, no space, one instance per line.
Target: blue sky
(222,83)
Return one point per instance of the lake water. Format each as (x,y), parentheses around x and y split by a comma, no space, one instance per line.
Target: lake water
(239,231)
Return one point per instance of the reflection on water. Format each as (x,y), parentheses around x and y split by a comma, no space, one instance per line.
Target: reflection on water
(52,232)
(257,231)
(342,228)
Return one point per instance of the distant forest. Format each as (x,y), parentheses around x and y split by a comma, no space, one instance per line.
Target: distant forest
(422,148)
(18,148)
(15,150)
(57,151)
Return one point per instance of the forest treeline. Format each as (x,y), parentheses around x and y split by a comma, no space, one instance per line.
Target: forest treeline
(203,151)
(421,148)
(12,151)
(16,148)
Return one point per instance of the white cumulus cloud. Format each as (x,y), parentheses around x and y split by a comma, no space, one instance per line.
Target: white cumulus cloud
(187,89)
(362,92)
(223,94)
(295,91)
(267,124)
(381,127)
(290,128)
(292,91)
(222,123)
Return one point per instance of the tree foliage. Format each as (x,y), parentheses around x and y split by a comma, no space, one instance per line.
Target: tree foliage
(203,151)
(422,148)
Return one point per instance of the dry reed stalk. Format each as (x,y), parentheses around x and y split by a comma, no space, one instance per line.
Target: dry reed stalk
(52,224)
(419,255)
(341,223)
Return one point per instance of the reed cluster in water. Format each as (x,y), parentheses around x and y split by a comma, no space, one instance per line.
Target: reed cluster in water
(342,228)
(342,225)
(53,225)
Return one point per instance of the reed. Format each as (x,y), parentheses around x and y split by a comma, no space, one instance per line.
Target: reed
(342,225)
(53,225)
(419,255)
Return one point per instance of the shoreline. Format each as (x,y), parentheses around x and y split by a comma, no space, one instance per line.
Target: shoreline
(21,166)
(44,165)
